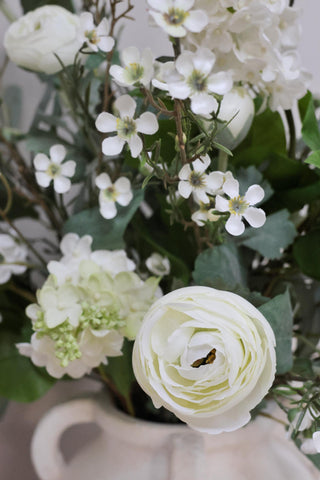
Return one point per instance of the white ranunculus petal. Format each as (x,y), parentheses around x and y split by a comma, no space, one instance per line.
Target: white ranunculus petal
(235,225)
(196,21)
(106,122)
(61,184)
(103,181)
(43,179)
(254,194)
(135,145)
(256,217)
(126,106)
(231,187)
(112,145)
(41,162)
(57,153)
(68,168)
(147,123)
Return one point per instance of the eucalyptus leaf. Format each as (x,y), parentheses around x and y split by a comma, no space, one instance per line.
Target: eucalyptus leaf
(20,380)
(106,234)
(220,264)
(279,314)
(306,253)
(314,158)
(251,176)
(274,236)
(310,129)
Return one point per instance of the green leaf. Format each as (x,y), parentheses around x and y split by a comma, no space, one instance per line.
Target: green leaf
(251,176)
(221,264)
(306,253)
(303,368)
(106,234)
(28,5)
(20,380)
(276,234)
(314,159)
(315,459)
(296,198)
(310,130)
(278,312)
(120,370)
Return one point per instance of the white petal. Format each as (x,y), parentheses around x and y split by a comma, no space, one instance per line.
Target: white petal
(254,194)
(108,210)
(118,74)
(68,168)
(135,145)
(204,60)
(106,122)
(173,30)
(185,189)
(86,21)
(231,187)
(179,90)
(124,198)
(130,55)
(203,104)
(106,44)
(185,63)
(122,185)
(235,225)
(103,28)
(103,181)
(43,179)
(201,164)
(61,184)
(161,5)
(147,123)
(255,217)
(201,196)
(57,153)
(220,83)
(185,172)
(41,162)
(112,145)
(215,180)
(222,205)
(126,106)
(184,4)
(196,21)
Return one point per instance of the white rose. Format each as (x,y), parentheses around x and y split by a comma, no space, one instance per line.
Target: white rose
(206,355)
(33,39)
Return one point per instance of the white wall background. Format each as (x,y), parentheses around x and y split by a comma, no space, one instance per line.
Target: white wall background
(16,428)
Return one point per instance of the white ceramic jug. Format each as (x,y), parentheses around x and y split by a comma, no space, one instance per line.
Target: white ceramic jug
(131,449)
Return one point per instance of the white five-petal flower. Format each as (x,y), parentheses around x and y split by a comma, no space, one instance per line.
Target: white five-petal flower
(158,265)
(52,168)
(241,206)
(94,37)
(126,126)
(198,82)
(110,193)
(137,67)
(176,16)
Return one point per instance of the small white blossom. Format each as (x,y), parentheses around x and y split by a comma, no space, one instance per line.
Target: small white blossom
(194,180)
(94,37)
(158,265)
(12,252)
(137,68)
(204,214)
(241,206)
(126,126)
(176,16)
(52,169)
(311,446)
(110,193)
(198,81)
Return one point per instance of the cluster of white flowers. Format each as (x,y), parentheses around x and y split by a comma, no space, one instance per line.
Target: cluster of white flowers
(89,302)
(13,255)
(256,41)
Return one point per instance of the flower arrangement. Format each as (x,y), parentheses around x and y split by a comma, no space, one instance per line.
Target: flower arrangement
(180,200)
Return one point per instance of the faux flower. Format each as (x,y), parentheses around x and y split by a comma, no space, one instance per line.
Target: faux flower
(241,206)
(95,38)
(206,355)
(194,180)
(51,168)
(137,67)
(204,214)
(177,16)
(80,319)
(158,265)
(110,193)
(311,446)
(12,252)
(126,126)
(198,81)
(34,40)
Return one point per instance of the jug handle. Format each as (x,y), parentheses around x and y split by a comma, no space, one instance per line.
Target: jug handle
(45,452)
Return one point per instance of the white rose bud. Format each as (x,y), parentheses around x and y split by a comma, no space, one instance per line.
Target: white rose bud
(206,355)
(33,39)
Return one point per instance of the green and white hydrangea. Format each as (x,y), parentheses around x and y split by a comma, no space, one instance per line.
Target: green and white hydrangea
(81,318)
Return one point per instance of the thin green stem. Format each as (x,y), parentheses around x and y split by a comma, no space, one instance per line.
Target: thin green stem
(222,161)
(9,193)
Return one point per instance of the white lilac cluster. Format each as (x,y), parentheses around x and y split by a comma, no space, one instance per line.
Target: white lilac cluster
(13,256)
(256,41)
(209,191)
(89,303)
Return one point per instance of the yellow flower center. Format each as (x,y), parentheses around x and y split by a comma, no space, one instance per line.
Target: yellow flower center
(175,16)
(126,127)
(53,170)
(238,205)
(92,36)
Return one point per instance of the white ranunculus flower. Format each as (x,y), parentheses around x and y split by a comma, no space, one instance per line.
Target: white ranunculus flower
(206,355)
(34,39)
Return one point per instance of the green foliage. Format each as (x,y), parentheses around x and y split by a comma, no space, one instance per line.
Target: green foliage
(306,253)
(119,369)
(220,265)
(251,176)
(278,312)
(275,235)
(107,234)
(20,380)
(28,5)
(314,158)
(310,129)
(302,367)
